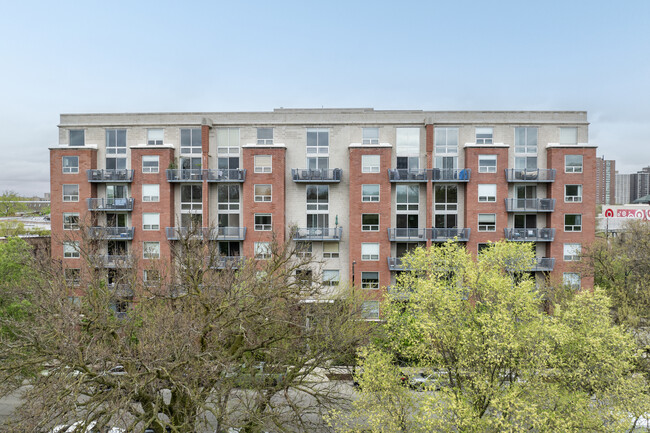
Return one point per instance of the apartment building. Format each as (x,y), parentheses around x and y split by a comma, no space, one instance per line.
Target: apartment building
(605,181)
(362,186)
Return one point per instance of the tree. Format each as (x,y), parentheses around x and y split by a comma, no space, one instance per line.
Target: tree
(16,269)
(498,361)
(10,204)
(199,347)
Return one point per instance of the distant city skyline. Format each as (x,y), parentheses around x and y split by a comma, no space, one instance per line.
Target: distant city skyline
(255,56)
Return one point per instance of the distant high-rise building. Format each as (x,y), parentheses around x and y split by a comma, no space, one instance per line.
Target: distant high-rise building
(622,194)
(640,184)
(605,181)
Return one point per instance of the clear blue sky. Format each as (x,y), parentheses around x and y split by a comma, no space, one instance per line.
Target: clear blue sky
(131,56)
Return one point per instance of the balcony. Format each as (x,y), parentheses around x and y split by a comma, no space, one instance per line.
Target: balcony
(121,290)
(407,235)
(454,234)
(113,260)
(530,235)
(408,175)
(395,264)
(111,233)
(543,264)
(530,204)
(110,204)
(228,262)
(185,175)
(450,174)
(530,175)
(97,175)
(322,234)
(233,175)
(318,175)
(225,233)
(177,233)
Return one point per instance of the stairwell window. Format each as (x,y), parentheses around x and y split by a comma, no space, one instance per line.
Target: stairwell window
(370,310)
(487,193)
(572,252)
(70,164)
(484,135)
(370,251)
(370,163)
(150,163)
(265,136)
(263,164)
(155,137)
(370,136)
(370,280)
(71,250)
(263,222)
(71,221)
(487,163)
(262,250)
(487,222)
(151,250)
(573,193)
(573,163)
(370,193)
(263,193)
(151,193)
(150,221)
(573,222)
(370,222)
(71,192)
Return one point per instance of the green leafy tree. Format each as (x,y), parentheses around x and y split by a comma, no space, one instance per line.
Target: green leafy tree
(497,361)
(10,204)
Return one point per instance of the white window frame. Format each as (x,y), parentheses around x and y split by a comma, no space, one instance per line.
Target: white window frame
(373,283)
(482,168)
(318,206)
(262,250)
(258,162)
(227,143)
(148,280)
(151,159)
(403,144)
(70,197)
(229,205)
(263,227)
(157,139)
(150,250)
(71,250)
(374,139)
(368,164)
(370,227)
(318,150)
(487,192)
(370,251)
(441,144)
(573,131)
(572,279)
(150,198)
(526,148)
(487,135)
(265,141)
(487,226)
(573,227)
(72,280)
(572,252)
(331,277)
(83,137)
(573,169)
(573,198)
(150,221)
(331,246)
(70,169)
(260,198)
(73,224)
(370,198)
(190,149)
(370,310)
(113,149)
(407,206)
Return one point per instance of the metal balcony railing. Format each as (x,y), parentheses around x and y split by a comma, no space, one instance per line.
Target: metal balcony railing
(218,175)
(225,233)
(544,264)
(443,235)
(121,290)
(105,175)
(109,204)
(407,235)
(111,233)
(113,260)
(530,204)
(450,174)
(228,262)
(530,235)
(408,175)
(324,234)
(316,175)
(395,264)
(184,175)
(530,175)
(176,233)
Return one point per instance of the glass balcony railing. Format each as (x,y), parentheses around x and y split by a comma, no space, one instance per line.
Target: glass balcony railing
(219,175)
(444,234)
(113,260)
(408,175)
(530,204)
(530,235)
(228,262)
(225,233)
(396,264)
(450,174)
(323,234)
(530,174)
(111,233)
(110,204)
(106,175)
(184,175)
(407,234)
(316,175)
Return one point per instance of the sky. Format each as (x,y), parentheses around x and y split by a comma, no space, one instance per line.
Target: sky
(158,56)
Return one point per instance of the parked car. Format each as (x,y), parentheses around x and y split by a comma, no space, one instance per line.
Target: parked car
(428,381)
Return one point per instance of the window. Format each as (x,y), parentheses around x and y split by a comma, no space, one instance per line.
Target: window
(369,280)
(263,193)
(369,251)
(318,141)
(446,140)
(228,141)
(304,249)
(569,136)
(150,221)
(70,164)
(331,277)
(151,250)
(155,137)
(228,197)
(77,137)
(264,135)
(573,193)
(304,277)
(573,163)
(71,250)
(483,247)
(526,163)
(572,280)
(317,198)
(572,222)
(190,140)
(370,136)
(572,252)
(150,192)
(263,222)
(487,193)
(407,141)
(446,198)
(71,221)
(151,277)
(263,164)
(262,250)
(408,198)
(330,250)
(369,163)
(487,163)
(192,199)
(370,310)
(484,135)
(370,222)
(116,142)
(72,276)
(526,140)
(370,193)
(487,222)
(150,163)
(70,192)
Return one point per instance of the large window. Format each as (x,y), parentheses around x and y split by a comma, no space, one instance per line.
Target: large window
(70,164)
(370,193)
(150,163)
(484,135)
(487,163)
(407,141)
(265,136)
(192,206)
(77,137)
(116,149)
(487,222)
(150,221)
(370,136)
(446,140)
(569,136)
(71,221)
(317,198)
(151,250)
(526,140)
(263,192)
(370,310)
(446,206)
(155,137)
(573,193)
(228,142)
(263,222)
(487,193)
(370,280)
(70,192)
(572,222)
(263,163)
(71,250)
(330,250)
(370,222)
(228,197)
(331,277)
(408,198)
(151,192)
(190,140)
(573,163)
(526,163)
(370,163)
(318,141)
(369,251)
(572,252)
